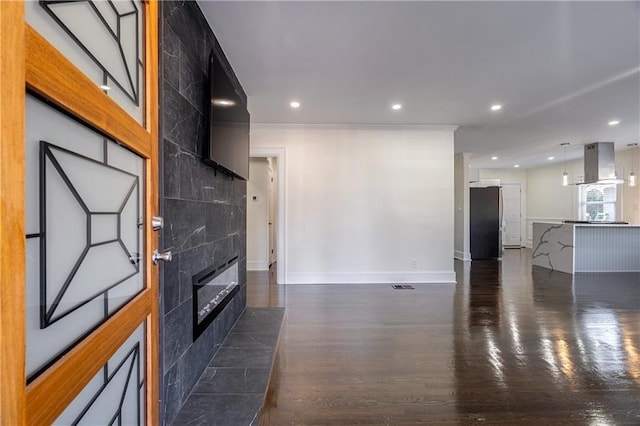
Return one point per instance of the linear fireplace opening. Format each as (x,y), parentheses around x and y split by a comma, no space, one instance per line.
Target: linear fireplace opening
(213,289)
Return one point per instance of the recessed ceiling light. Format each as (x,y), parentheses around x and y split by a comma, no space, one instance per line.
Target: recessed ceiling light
(396,107)
(295,104)
(614,122)
(223,102)
(105,87)
(494,158)
(551,158)
(516,165)
(496,107)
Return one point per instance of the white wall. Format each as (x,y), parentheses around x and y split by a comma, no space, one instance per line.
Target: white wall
(462,176)
(257,226)
(366,204)
(547,199)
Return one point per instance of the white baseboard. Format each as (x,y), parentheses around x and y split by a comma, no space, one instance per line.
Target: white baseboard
(413,277)
(460,255)
(257,265)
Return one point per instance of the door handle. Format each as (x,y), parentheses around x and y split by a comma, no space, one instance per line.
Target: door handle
(165,256)
(157,223)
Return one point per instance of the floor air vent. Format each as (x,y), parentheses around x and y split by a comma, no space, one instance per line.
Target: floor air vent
(402,287)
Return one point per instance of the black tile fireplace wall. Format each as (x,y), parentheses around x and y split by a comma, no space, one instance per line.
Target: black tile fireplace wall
(204,211)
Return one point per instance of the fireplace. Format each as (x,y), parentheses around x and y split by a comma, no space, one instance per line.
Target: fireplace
(213,289)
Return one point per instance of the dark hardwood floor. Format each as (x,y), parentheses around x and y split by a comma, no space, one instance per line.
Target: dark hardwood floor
(505,345)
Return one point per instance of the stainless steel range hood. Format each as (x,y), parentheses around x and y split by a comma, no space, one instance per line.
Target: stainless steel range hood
(600,163)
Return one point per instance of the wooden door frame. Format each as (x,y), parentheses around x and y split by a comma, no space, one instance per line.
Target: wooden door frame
(30,63)
(12,216)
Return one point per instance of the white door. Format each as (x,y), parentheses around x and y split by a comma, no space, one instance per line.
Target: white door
(511,235)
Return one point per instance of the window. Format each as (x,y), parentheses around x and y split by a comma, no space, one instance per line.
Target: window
(597,202)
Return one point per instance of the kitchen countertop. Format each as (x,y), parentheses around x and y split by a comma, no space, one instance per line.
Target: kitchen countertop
(586,247)
(595,222)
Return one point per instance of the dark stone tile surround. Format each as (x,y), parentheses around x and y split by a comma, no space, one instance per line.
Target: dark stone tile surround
(204,210)
(232,388)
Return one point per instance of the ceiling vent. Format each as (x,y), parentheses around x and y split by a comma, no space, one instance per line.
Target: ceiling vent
(600,163)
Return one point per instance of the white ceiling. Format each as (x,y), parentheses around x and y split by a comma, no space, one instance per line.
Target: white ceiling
(562,70)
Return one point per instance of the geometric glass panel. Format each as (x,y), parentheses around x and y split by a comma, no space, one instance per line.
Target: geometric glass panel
(103,39)
(103,228)
(115,395)
(98,190)
(84,231)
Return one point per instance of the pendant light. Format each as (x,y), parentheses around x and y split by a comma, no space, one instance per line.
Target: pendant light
(565,175)
(632,175)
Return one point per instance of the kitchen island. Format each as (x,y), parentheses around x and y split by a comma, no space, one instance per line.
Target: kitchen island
(586,247)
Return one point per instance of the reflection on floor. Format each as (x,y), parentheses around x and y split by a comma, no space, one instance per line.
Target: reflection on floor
(508,344)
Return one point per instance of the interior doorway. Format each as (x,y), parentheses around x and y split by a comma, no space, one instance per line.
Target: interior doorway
(278,156)
(512,215)
(262,214)
(272,218)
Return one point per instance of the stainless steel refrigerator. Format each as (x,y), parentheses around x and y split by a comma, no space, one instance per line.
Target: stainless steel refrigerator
(485,222)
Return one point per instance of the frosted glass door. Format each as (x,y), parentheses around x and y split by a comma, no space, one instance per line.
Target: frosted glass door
(115,395)
(88,351)
(104,39)
(84,231)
